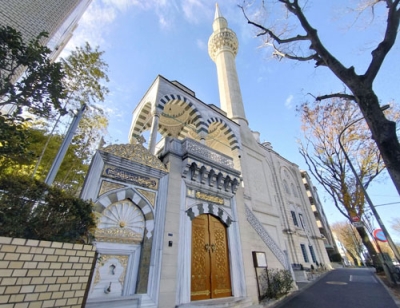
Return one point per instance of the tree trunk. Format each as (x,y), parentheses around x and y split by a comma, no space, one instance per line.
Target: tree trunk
(371,249)
(355,260)
(383,131)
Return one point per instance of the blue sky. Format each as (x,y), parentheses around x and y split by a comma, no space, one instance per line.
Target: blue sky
(142,39)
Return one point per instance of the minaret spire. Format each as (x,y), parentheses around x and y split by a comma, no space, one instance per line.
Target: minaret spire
(222,48)
(217,12)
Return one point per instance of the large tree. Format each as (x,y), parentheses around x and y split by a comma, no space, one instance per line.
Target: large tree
(322,123)
(71,174)
(30,82)
(85,74)
(293,37)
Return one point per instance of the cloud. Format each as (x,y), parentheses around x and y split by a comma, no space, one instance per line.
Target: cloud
(201,44)
(195,10)
(92,27)
(288,102)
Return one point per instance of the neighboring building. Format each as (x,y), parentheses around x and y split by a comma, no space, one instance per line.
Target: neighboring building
(189,218)
(342,251)
(57,18)
(319,214)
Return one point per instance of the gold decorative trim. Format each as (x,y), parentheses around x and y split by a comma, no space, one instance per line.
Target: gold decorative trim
(107,186)
(151,196)
(124,175)
(222,291)
(114,235)
(205,197)
(135,152)
(207,292)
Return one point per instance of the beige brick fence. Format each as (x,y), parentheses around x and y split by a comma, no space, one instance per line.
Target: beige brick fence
(43,274)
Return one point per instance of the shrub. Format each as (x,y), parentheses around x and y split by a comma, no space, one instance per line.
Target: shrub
(275,283)
(31,209)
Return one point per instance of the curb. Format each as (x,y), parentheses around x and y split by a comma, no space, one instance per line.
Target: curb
(395,299)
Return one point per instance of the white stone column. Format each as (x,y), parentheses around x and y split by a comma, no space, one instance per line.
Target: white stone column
(153,133)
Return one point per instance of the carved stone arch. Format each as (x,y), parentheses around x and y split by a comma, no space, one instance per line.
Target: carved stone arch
(224,128)
(203,174)
(122,214)
(210,208)
(227,182)
(131,194)
(194,171)
(193,120)
(220,180)
(234,185)
(143,120)
(212,178)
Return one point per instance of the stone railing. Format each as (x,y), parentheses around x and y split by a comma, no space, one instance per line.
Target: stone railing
(267,239)
(43,274)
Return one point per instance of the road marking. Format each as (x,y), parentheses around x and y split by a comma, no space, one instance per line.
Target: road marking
(336,282)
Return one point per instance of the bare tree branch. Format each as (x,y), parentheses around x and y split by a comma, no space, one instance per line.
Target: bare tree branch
(380,52)
(335,95)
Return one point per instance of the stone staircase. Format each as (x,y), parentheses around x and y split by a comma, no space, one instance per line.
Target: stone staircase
(227,302)
(267,239)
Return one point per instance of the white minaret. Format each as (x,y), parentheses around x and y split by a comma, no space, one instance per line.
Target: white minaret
(222,48)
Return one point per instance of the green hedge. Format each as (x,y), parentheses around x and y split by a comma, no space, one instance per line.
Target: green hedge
(31,209)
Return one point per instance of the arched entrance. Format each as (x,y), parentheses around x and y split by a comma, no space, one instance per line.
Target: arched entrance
(210,272)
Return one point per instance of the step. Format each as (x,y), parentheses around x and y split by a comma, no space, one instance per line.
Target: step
(230,302)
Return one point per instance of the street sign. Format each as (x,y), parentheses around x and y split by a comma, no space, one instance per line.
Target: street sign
(355,219)
(379,235)
(357,224)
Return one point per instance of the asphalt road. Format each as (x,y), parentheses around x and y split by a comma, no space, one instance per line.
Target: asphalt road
(343,288)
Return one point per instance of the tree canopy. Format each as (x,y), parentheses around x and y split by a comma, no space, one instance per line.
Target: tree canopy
(33,89)
(30,82)
(350,239)
(322,124)
(85,75)
(30,209)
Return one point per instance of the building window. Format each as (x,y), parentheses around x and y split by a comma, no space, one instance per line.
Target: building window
(304,251)
(294,218)
(302,221)
(312,254)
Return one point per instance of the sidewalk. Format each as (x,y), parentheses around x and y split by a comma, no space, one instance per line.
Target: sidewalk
(394,292)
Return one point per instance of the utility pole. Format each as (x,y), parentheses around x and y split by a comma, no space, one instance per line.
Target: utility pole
(367,198)
(64,146)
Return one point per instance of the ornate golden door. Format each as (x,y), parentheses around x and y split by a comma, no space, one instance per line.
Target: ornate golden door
(210,259)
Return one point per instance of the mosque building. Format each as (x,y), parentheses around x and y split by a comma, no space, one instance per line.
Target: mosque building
(192,219)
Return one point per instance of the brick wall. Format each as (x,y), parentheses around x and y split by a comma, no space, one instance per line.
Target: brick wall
(43,274)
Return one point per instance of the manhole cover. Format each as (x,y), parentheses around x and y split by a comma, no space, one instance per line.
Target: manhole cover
(336,282)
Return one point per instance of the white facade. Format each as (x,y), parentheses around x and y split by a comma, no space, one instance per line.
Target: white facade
(209,194)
